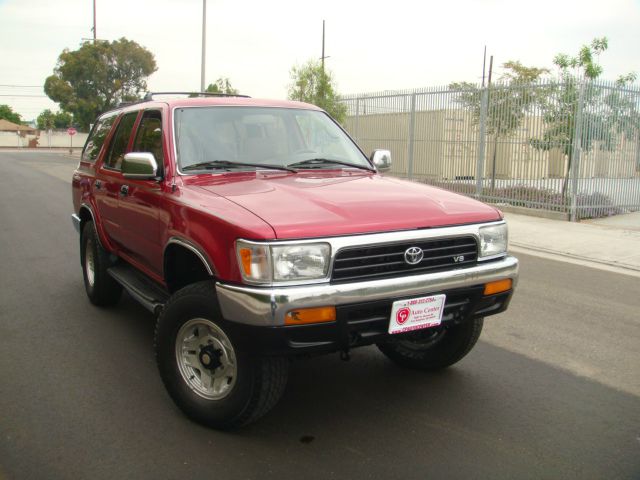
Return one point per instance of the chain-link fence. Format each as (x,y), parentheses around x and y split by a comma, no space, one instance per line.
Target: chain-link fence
(565,146)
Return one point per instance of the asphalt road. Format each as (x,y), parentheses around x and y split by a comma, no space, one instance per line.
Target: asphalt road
(551,391)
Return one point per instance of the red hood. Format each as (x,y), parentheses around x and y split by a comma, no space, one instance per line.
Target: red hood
(319,204)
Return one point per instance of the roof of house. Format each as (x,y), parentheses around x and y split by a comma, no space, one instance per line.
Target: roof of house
(7,126)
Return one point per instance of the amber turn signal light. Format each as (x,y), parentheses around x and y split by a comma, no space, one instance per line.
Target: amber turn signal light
(302,316)
(245,256)
(499,286)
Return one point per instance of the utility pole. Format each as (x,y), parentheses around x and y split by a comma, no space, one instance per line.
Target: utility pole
(94,22)
(490,69)
(484,63)
(323,55)
(204,41)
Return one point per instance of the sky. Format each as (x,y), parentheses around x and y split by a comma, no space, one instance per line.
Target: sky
(372,45)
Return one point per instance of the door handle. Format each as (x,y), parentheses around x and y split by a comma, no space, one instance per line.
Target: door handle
(98,184)
(124,190)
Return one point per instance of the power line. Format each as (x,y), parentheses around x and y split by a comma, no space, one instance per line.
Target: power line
(21,86)
(20,95)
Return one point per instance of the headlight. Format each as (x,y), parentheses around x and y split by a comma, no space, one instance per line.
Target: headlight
(264,264)
(300,262)
(493,240)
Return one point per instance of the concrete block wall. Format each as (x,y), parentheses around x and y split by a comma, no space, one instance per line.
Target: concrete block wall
(57,139)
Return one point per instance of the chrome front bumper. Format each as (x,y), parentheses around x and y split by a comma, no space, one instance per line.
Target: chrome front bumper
(267,306)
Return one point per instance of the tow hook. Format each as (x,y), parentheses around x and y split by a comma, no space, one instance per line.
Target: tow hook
(345,356)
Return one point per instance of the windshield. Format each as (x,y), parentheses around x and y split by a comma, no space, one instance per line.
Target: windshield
(214,137)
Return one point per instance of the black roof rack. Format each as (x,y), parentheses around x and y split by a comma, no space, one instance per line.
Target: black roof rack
(149,95)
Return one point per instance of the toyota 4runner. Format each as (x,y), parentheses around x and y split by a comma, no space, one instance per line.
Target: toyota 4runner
(257,232)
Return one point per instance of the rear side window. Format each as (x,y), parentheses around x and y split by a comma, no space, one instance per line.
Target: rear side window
(96,138)
(149,136)
(120,141)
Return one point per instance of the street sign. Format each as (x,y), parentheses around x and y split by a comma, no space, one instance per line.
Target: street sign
(71,131)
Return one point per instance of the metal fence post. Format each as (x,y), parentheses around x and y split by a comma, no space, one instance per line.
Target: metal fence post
(357,129)
(412,126)
(482,140)
(575,153)
(638,151)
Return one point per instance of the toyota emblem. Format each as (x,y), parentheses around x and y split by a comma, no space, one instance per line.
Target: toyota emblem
(413,255)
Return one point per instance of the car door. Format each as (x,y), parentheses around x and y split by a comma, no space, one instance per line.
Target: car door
(141,224)
(111,181)
(94,154)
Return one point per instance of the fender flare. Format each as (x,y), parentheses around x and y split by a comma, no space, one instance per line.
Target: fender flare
(208,265)
(104,243)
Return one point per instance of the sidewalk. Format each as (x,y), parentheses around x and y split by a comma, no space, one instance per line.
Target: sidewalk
(612,242)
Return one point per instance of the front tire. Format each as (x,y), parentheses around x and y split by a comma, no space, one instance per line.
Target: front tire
(433,348)
(209,379)
(101,288)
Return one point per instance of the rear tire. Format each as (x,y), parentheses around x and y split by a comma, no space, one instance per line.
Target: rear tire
(209,379)
(433,348)
(101,288)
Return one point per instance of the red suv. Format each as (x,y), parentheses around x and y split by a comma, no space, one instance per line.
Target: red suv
(257,231)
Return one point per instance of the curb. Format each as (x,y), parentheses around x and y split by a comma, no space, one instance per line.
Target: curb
(577,259)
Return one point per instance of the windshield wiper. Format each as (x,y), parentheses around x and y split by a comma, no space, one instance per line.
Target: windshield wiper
(222,164)
(318,162)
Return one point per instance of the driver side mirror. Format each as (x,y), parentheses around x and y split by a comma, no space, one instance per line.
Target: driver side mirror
(381,159)
(139,166)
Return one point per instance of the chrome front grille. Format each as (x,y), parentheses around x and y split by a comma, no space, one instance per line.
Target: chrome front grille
(389,260)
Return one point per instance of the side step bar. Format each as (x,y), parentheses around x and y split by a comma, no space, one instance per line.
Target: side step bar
(150,295)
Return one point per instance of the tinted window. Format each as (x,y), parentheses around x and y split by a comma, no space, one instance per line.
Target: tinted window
(149,136)
(96,138)
(120,141)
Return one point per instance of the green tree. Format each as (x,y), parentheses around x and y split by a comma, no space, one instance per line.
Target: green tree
(49,120)
(506,107)
(62,120)
(625,111)
(222,85)
(507,103)
(7,113)
(98,76)
(584,64)
(605,114)
(45,120)
(312,84)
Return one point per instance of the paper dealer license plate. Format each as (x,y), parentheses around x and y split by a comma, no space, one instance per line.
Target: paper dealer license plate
(416,313)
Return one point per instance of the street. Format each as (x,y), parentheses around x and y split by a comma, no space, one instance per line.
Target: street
(552,390)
